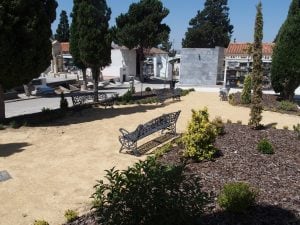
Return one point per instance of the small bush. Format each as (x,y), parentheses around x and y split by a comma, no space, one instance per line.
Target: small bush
(231,99)
(149,193)
(287,106)
(297,130)
(200,136)
(239,122)
(265,147)
(162,150)
(237,197)
(218,123)
(40,222)
(285,127)
(63,102)
(229,121)
(13,124)
(127,96)
(148,89)
(246,93)
(71,215)
(2,127)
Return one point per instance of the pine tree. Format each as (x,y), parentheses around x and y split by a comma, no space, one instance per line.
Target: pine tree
(141,27)
(210,28)
(94,37)
(257,73)
(63,31)
(74,39)
(25,46)
(285,72)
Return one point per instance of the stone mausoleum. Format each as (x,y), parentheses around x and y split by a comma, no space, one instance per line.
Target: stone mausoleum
(202,66)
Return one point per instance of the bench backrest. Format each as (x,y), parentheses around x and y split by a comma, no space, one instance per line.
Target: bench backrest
(82,98)
(156,124)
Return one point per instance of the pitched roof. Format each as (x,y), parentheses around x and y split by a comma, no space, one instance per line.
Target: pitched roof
(154,51)
(241,49)
(65,47)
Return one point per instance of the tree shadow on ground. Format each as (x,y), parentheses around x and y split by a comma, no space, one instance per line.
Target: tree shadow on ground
(258,215)
(12,148)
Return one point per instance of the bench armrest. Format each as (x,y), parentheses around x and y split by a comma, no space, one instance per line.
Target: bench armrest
(123,131)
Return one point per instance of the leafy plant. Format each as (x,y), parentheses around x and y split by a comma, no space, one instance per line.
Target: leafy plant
(162,150)
(148,89)
(228,121)
(239,122)
(127,96)
(285,127)
(265,147)
(40,222)
(200,136)
(218,123)
(63,102)
(246,93)
(2,127)
(149,193)
(297,130)
(71,215)
(13,124)
(287,106)
(231,99)
(237,197)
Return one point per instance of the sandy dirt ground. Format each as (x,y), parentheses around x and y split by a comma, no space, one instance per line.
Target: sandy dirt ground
(54,167)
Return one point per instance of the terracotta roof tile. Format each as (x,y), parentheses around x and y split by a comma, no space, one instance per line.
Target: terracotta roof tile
(241,49)
(65,47)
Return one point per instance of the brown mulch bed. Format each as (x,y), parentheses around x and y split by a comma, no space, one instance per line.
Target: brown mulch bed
(269,102)
(277,176)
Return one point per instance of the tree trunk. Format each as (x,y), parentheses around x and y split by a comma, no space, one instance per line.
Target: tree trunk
(96,72)
(84,78)
(2,104)
(140,59)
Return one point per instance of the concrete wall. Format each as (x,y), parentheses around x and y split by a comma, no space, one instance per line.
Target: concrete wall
(200,66)
(162,68)
(121,58)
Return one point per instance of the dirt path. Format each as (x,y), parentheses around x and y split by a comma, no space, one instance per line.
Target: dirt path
(55,167)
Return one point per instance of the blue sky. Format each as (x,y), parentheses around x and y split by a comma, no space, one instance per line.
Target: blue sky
(242,16)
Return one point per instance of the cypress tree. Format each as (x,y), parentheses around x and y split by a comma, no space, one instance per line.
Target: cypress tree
(142,28)
(285,72)
(257,73)
(25,46)
(94,42)
(210,28)
(74,39)
(63,30)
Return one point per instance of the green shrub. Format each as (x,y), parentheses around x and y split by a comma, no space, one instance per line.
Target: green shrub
(200,136)
(149,193)
(2,127)
(231,99)
(228,121)
(265,147)
(127,96)
(237,197)
(218,123)
(191,89)
(71,215)
(63,102)
(162,150)
(246,93)
(148,89)
(13,124)
(285,127)
(40,222)
(239,122)
(297,130)
(287,106)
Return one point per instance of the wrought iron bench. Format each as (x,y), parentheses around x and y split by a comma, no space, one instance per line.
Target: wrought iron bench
(165,122)
(163,94)
(88,98)
(223,94)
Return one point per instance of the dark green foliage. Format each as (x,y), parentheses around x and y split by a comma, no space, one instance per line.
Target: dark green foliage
(2,127)
(237,197)
(162,150)
(265,147)
(71,215)
(148,89)
(127,96)
(25,40)
(297,130)
(94,37)
(285,73)
(15,125)
(229,121)
(200,137)
(218,123)
(141,27)
(63,102)
(288,106)
(232,99)
(63,30)
(257,74)
(210,28)
(246,93)
(184,92)
(74,40)
(149,193)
